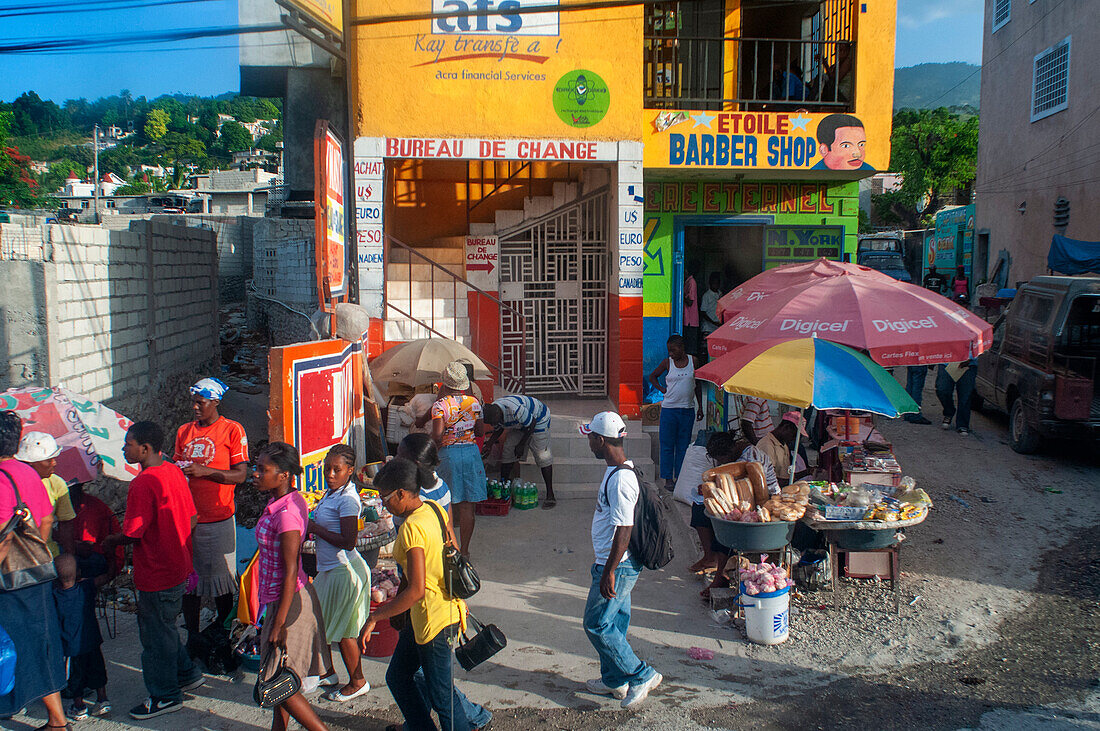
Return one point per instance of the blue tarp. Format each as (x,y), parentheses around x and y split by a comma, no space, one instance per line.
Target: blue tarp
(1069,256)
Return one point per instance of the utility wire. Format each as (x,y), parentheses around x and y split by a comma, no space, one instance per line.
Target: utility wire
(95,8)
(133,39)
(998,54)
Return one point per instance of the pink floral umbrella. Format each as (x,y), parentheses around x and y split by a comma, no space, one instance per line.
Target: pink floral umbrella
(895,322)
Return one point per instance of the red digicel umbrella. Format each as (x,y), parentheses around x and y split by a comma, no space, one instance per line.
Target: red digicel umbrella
(895,322)
(766,283)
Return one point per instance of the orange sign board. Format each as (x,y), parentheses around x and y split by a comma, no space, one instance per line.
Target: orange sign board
(316,401)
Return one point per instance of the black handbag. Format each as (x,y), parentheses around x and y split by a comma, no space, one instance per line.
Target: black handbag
(459,575)
(472,651)
(281,685)
(28,561)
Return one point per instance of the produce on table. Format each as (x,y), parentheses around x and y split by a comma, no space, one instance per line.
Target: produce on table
(764,578)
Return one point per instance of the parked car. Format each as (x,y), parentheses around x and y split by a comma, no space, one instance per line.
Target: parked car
(885,262)
(1042,367)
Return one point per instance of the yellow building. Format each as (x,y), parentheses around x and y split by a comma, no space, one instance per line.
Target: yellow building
(567,162)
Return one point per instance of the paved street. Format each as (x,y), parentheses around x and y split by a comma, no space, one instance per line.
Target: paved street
(982,647)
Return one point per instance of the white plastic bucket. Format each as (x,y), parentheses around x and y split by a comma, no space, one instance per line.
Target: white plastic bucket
(767,616)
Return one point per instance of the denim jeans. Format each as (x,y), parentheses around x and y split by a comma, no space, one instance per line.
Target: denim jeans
(606,622)
(914,382)
(946,389)
(165,664)
(417,699)
(675,434)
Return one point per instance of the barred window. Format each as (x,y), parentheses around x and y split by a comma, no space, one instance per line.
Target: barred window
(1050,90)
(1002,11)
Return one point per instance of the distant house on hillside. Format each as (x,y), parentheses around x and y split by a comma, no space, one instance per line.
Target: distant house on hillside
(232,192)
(255,158)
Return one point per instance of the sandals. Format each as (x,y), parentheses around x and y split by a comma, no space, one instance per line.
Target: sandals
(549,503)
(67,727)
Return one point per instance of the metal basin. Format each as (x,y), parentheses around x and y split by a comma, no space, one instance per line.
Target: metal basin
(746,537)
(864,540)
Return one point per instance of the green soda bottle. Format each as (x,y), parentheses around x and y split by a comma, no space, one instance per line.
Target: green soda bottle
(534,495)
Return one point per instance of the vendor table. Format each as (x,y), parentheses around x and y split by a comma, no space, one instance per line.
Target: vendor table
(862,468)
(864,536)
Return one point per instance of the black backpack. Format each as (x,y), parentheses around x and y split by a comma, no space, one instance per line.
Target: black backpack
(651,537)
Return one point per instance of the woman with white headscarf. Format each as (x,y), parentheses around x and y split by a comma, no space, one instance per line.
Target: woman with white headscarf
(213,453)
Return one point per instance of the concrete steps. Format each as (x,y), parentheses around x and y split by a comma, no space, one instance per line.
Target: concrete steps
(577,472)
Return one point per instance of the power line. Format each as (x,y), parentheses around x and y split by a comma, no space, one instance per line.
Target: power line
(526,10)
(132,39)
(95,8)
(998,54)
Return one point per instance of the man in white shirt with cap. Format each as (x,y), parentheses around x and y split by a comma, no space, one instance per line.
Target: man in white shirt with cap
(607,612)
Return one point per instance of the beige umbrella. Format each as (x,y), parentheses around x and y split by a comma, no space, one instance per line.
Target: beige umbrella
(421,362)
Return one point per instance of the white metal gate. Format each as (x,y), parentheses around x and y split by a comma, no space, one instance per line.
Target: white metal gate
(554,270)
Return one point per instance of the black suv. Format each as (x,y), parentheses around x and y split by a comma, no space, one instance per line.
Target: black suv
(1042,367)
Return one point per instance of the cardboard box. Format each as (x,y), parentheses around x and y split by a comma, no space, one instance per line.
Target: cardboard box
(867,564)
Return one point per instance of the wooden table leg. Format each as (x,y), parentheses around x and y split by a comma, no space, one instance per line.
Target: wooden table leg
(833,567)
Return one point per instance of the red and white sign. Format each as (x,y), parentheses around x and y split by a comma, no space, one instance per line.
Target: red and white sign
(331,235)
(478,149)
(316,400)
(483,262)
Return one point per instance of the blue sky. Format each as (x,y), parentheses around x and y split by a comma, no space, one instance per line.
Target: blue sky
(928,30)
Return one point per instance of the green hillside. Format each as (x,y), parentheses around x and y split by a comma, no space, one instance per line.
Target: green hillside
(931,85)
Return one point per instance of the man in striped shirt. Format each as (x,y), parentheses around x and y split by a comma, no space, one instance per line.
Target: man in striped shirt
(527,421)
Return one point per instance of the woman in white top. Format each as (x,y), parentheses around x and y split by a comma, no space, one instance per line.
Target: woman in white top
(677,413)
(343,578)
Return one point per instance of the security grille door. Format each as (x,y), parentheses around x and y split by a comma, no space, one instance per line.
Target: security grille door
(554,270)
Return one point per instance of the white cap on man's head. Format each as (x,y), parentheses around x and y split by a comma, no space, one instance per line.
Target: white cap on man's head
(606,424)
(36,446)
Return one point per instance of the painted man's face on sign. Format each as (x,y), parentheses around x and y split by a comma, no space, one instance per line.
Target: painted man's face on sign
(847,151)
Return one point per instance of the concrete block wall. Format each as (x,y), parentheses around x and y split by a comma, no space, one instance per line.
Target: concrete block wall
(284,278)
(133,308)
(24,241)
(234,235)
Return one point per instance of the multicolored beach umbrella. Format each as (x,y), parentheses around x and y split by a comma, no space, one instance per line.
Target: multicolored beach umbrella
(809,372)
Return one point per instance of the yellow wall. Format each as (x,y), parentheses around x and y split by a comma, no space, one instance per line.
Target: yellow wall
(875,32)
(404,89)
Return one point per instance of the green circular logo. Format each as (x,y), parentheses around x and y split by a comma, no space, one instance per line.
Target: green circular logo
(581,98)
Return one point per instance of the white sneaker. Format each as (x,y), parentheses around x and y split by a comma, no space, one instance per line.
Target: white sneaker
(597,686)
(638,693)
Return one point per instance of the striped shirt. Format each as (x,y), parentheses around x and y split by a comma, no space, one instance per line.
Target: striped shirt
(438,493)
(755,411)
(521,412)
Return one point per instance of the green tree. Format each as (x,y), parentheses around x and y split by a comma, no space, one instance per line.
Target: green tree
(156,124)
(234,137)
(936,153)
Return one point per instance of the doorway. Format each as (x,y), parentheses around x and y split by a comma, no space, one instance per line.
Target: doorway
(732,249)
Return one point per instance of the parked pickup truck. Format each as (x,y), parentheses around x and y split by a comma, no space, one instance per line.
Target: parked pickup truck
(1042,367)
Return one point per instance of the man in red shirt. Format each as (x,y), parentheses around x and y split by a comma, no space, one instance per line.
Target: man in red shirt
(160,518)
(93,523)
(213,452)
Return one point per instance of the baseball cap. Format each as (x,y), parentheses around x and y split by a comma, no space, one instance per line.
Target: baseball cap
(606,424)
(796,418)
(36,446)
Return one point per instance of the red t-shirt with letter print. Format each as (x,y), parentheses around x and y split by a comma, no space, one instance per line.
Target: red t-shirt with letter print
(218,446)
(158,513)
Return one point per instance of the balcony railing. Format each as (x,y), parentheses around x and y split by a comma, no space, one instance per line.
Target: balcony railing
(767,74)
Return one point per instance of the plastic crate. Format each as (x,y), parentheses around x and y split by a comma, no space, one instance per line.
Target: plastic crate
(493,506)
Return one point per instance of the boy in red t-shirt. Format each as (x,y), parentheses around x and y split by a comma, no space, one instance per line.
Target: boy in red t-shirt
(160,518)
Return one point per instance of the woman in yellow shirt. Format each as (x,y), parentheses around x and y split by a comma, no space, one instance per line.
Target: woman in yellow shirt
(434,618)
